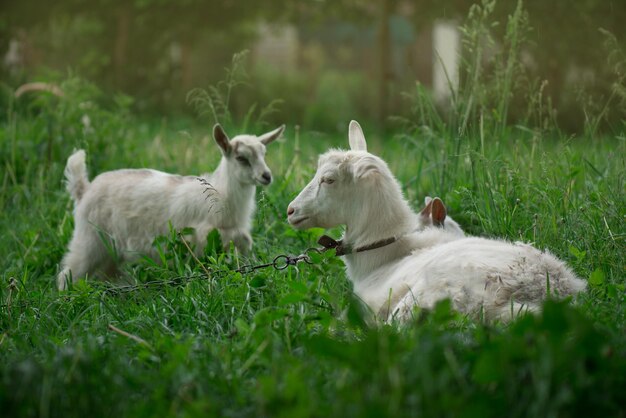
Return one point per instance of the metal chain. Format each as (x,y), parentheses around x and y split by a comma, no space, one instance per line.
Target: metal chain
(279,263)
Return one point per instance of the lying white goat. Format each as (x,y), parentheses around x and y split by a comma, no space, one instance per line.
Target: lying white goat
(118,215)
(397,261)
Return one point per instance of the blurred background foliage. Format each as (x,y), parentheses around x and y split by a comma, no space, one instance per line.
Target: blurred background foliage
(321,63)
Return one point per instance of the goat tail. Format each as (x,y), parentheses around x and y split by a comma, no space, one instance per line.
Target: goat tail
(76,175)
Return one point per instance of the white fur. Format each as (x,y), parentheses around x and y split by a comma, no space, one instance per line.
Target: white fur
(118,215)
(493,278)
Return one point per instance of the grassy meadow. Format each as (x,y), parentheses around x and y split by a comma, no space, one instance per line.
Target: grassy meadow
(295,343)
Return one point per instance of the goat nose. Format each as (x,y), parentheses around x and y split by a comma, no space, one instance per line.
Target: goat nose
(267,176)
(290,211)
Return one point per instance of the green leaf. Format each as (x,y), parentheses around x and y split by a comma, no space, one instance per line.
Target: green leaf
(442,311)
(316,232)
(358,312)
(266,316)
(580,255)
(316,257)
(341,351)
(187,231)
(258,281)
(298,286)
(611,291)
(596,278)
(213,243)
(489,367)
(242,326)
(291,298)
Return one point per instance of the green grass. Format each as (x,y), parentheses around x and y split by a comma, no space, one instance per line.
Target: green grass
(295,342)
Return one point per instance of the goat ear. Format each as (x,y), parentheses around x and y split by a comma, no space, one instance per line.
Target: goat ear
(271,136)
(221,138)
(428,201)
(439,212)
(356,137)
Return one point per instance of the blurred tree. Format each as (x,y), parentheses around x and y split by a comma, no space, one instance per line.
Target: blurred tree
(158,49)
(134,37)
(567,48)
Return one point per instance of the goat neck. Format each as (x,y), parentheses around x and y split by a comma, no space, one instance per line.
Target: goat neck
(235,198)
(386,214)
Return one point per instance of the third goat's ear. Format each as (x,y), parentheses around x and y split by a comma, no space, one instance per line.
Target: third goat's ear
(428,208)
(221,138)
(438,212)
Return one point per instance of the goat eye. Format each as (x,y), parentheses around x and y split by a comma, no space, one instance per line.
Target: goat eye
(328,181)
(243,160)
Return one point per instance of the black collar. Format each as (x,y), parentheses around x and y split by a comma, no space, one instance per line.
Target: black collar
(342,249)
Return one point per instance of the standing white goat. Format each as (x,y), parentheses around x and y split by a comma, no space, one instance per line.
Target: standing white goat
(397,261)
(118,215)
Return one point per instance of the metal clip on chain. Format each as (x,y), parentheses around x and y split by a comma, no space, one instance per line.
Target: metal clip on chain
(281,262)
